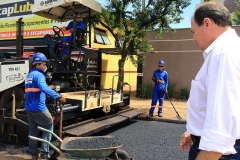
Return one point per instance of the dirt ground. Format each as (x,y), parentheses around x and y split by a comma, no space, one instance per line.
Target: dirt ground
(168,110)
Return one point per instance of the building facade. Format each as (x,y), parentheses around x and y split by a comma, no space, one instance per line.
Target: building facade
(182,57)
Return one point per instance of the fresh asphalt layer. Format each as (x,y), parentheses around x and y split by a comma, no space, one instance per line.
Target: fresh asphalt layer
(150,140)
(141,139)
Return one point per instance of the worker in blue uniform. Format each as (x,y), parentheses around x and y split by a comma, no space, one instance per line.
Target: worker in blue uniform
(79,24)
(36,89)
(160,77)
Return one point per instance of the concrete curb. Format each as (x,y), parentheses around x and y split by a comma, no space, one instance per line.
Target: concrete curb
(162,120)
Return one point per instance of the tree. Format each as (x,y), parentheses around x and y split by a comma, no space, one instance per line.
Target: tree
(236,14)
(234,7)
(128,25)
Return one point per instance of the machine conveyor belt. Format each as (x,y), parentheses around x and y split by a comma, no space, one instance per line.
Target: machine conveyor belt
(93,126)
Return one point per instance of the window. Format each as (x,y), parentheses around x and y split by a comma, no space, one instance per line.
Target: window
(100,36)
(120,43)
(120,40)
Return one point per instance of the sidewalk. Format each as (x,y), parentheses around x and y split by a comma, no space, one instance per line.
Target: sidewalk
(169,114)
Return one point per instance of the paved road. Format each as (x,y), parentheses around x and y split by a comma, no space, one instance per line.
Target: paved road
(150,140)
(143,140)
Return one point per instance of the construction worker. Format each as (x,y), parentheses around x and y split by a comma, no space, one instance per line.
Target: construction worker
(79,24)
(36,89)
(160,77)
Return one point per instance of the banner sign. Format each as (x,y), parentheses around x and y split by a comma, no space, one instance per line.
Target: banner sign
(34,26)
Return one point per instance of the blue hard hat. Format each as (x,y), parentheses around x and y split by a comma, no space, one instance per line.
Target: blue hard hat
(39,58)
(161,62)
(76,14)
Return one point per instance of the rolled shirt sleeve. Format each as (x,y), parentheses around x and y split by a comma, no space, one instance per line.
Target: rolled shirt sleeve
(213,141)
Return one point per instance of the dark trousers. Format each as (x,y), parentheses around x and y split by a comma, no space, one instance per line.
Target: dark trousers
(194,152)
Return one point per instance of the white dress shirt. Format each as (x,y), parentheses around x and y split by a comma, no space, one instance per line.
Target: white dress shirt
(214,103)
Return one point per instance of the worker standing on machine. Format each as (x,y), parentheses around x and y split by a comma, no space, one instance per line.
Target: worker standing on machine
(79,24)
(160,77)
(36,89)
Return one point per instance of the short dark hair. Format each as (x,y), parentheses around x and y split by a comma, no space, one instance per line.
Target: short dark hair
(215,11)
(35,64)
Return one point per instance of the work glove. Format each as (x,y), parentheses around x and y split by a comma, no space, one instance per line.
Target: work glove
(62,100)
(166,91)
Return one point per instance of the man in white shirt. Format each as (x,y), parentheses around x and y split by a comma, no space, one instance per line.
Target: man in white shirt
(213,114)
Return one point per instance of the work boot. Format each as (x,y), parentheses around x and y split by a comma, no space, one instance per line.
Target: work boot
(159,114)
(149,115)
(45,156)
(38,155)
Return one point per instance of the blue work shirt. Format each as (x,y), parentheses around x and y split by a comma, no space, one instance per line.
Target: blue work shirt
(79,25)
(36,89)
(161,75)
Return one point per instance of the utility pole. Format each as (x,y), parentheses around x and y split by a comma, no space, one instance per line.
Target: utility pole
(143,5)
(140,66)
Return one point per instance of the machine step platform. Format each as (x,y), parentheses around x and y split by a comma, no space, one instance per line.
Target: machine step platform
(92,126)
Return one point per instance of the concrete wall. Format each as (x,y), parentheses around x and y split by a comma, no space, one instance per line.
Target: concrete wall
(182,57)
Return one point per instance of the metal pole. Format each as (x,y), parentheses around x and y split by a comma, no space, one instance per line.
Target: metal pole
(139,77)
(74,28)
(13,105)
(140,66)
(19,37)
(61,120)
(89,28)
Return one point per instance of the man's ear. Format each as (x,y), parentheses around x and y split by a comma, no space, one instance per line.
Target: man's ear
(37,65)
(207,22)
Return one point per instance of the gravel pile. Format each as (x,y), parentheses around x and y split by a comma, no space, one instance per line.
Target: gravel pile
(92,143)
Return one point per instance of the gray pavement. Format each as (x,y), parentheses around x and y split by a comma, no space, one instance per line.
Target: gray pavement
(143,140)
(150,140)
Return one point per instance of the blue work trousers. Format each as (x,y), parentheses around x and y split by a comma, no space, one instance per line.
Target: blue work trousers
(194,152)
(44,120)
(65,47)
(157,95)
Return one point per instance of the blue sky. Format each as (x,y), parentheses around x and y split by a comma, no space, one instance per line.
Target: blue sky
(187,14)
